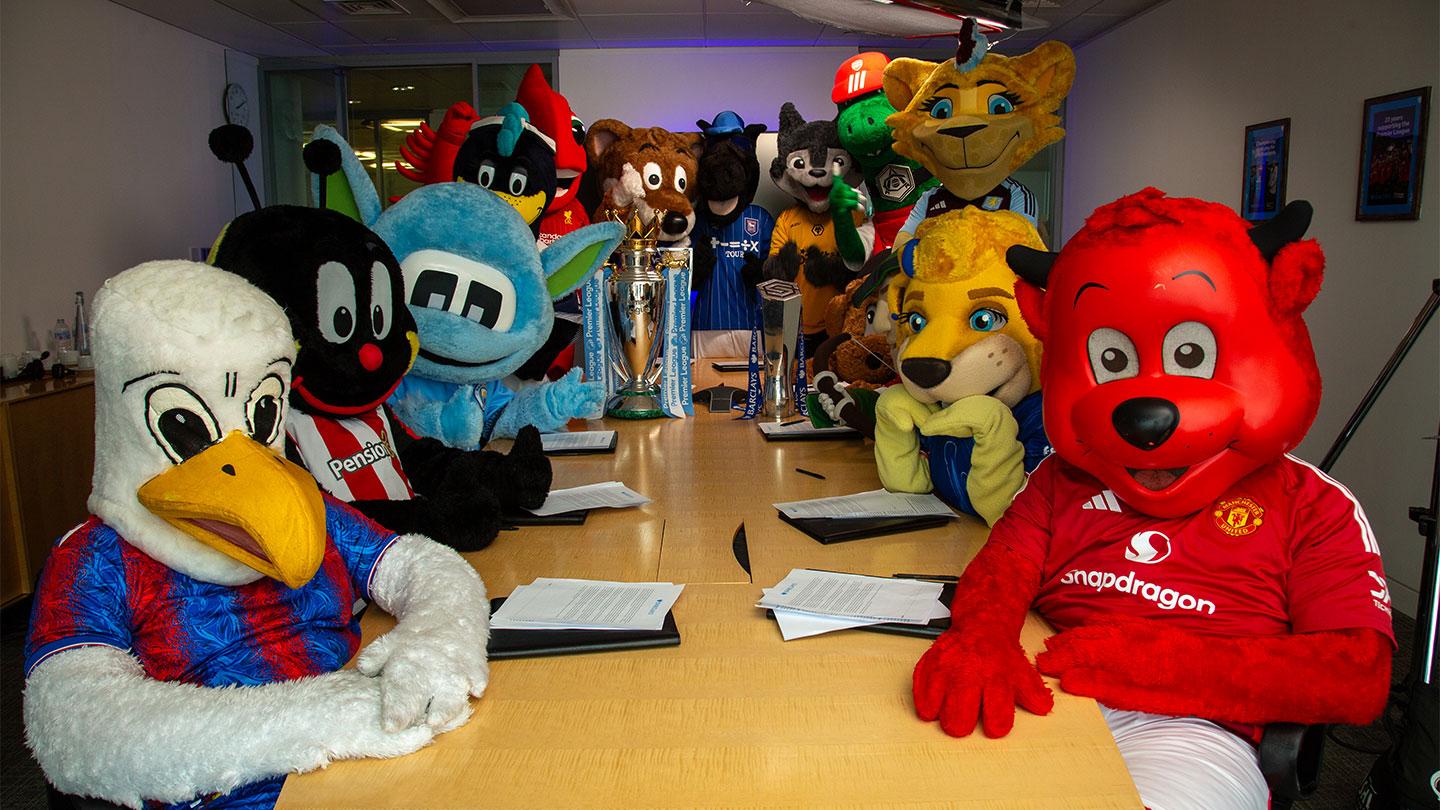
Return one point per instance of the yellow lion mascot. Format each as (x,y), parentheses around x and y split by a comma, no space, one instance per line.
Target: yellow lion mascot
(966,421)
(973,120)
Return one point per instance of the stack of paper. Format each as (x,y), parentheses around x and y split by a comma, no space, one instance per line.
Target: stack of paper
(876,503)
(808,603)
(586,604)
(803,427)
(591,496)
(577,441)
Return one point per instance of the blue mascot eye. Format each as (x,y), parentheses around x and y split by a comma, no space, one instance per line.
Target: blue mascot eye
(986,320)
(943,108)
(917,321)
(999,105)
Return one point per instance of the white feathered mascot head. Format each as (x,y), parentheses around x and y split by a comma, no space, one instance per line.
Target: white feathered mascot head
(192,372)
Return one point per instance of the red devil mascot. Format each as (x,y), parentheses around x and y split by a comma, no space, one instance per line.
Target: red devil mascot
(1203,581)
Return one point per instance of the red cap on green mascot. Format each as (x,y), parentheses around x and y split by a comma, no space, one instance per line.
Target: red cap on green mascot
(1176,359)
(860,75)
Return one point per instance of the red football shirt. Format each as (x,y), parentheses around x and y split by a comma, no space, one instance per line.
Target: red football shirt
(1286,549)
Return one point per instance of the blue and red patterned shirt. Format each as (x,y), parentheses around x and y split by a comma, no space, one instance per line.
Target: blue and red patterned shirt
(97,589)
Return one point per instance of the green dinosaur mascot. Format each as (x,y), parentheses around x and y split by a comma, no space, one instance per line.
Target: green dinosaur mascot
(894,182)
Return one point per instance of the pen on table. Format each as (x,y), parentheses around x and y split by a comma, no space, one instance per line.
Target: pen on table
(930,577)
(809,473)
(791,422)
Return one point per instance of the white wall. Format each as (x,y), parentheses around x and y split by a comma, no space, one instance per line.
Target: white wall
(1164,100)
(104,165)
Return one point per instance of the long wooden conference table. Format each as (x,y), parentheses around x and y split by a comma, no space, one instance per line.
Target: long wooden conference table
(734,716)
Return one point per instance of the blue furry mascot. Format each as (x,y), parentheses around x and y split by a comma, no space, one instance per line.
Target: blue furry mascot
(481,294)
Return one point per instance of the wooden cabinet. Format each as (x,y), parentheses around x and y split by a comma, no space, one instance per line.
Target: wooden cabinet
(47,456)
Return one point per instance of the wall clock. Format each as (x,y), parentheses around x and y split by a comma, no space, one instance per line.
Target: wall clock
(236,105)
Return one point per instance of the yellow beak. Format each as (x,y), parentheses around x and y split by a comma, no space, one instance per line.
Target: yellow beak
(240,498)
(529,207)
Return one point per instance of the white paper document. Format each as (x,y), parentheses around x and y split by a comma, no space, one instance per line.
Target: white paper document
(577,440)
(611,494)
(803,428)
(851,596)
(585,604)
(795,625)
(876,503)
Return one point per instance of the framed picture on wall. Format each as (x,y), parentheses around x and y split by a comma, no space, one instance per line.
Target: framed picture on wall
(1392,155)
(1267,159)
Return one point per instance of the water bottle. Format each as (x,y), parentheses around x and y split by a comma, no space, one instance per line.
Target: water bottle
(82,326)
(60,338)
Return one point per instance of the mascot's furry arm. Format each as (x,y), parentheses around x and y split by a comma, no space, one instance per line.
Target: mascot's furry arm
(897,444)
(849,240)
(550,406)
(519,478)
(997,461)
(101,727)
(1338,676)
(977,670)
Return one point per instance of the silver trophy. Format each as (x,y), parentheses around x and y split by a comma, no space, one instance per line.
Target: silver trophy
(636,284)
(780,336)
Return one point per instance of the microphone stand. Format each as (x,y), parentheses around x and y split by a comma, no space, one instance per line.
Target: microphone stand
(1402,776)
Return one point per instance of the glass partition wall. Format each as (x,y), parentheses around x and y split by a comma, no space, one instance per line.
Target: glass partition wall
(374,108)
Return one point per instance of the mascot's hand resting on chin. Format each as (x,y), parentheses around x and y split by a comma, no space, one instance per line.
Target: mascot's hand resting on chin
(1192,567)
(185,640)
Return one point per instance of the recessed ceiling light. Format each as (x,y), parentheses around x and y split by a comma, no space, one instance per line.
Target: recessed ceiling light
(353,101)
(401,88)
(401,124)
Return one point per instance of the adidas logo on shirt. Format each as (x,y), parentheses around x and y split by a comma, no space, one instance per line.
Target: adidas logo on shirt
(1105,502)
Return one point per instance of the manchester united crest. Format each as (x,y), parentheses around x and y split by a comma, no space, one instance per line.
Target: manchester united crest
(1239,517)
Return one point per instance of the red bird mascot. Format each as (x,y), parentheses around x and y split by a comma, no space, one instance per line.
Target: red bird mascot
(1203,581)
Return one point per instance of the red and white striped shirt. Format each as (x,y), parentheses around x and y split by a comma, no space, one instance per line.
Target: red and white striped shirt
(353,459)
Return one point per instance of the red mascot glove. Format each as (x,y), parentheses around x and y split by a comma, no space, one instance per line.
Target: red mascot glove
(1337,676)
(976,669)
(433,153)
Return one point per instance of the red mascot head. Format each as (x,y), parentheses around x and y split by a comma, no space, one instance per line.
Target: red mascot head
(1176,361)
(550,113)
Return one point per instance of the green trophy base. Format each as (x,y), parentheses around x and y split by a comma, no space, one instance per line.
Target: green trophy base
(636,405)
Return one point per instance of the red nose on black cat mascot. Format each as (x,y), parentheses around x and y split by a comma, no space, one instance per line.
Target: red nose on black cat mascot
(1192,567)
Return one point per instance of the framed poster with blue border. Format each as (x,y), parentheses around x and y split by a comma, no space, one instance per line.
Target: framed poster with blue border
(1392,155)
(1267,160)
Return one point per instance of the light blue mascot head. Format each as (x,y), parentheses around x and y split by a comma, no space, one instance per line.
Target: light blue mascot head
(477,284)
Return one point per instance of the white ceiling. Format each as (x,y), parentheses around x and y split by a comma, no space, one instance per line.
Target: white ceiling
(299,28)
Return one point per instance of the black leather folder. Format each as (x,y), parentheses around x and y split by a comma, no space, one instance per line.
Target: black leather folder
(536,643)
(840,530)
(515,520)
(587,451)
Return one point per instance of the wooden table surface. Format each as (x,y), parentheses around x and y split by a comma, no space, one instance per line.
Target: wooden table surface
(734,716)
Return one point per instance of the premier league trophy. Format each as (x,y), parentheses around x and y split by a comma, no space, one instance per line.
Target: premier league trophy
(780,336)
(637,281)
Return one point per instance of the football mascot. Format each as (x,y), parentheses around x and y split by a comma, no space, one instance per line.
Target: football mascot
(649,171)
(480,292)
(551,114)
(966,421)
(343,292)
(186,641)
(1203,581)
(973,120)
(856,362)
(894,182)
(732,234)
(823,241)
(508,155)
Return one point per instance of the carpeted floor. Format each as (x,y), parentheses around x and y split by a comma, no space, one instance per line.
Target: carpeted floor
(23,788)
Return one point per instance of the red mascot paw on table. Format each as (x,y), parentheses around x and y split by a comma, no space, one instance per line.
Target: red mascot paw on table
(1203,581)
